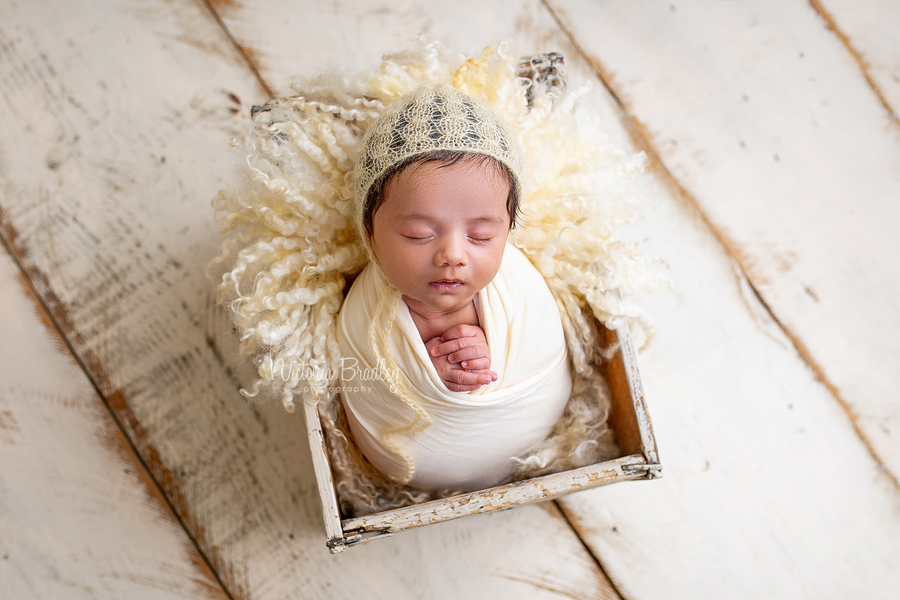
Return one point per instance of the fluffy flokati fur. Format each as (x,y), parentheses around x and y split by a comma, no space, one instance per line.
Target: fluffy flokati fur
(292,243)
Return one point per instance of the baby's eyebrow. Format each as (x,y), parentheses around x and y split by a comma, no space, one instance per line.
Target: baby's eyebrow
(414,217)
(425,217)
(488,219)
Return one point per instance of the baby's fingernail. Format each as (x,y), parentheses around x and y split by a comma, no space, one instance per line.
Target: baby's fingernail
(434,351)
(465,365)
(487,379)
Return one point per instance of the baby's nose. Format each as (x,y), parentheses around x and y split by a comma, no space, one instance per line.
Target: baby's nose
(451,253)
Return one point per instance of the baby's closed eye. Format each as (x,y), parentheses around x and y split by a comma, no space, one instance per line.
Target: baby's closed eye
(481,240)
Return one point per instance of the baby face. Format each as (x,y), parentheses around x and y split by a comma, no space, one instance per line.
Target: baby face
(440,234)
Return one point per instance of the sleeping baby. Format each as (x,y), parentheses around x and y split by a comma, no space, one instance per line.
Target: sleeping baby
(461,330)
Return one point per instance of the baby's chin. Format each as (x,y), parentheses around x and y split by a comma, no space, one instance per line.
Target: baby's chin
(440,305)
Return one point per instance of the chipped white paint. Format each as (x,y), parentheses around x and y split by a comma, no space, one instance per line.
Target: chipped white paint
(324,481)
(77,518)
(358,34)
(768,492)
(500,498)
(763,115)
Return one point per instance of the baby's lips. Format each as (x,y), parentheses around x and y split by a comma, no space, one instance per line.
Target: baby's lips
(446,284)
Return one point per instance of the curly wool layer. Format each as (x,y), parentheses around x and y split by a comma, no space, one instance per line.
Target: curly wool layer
(292,242)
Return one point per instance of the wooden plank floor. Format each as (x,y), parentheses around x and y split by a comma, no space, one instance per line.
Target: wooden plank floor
(81,516)
(772,383)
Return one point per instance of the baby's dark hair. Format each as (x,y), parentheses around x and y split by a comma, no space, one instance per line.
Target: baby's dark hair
(443,158)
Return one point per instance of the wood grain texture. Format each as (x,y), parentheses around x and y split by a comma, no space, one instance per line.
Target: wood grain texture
(119,113)
(79,515)
(286,44)
(113,108)
(868,31)
(766,122)
(768,491)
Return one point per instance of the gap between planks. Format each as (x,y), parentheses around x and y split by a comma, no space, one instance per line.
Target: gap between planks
(564,515)
(831,24)
(8,236)
(246,53)
(642,139)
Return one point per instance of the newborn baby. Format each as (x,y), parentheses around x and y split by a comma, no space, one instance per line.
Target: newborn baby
(454,357)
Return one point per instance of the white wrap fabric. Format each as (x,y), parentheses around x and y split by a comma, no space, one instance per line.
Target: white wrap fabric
(473,436)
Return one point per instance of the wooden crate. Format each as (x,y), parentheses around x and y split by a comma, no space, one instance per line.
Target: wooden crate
(628,418)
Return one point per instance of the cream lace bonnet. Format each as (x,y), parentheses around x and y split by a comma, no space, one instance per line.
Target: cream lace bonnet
(436,117)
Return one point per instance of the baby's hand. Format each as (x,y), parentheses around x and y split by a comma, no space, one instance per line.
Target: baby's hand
(454,376)
(464,345)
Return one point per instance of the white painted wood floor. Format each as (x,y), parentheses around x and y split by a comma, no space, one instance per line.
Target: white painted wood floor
(131,468)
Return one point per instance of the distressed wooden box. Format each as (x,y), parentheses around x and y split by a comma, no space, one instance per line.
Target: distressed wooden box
(629,420)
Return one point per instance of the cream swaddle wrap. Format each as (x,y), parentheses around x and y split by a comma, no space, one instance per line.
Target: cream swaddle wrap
(472,437)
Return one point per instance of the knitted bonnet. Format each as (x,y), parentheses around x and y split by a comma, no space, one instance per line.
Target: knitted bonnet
(436,117)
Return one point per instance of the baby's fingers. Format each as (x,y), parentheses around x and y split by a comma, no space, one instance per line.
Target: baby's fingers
(449,347)
(460,331)
(474,364)
(461,349)
(471,354)
(471,379)
(455,387)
